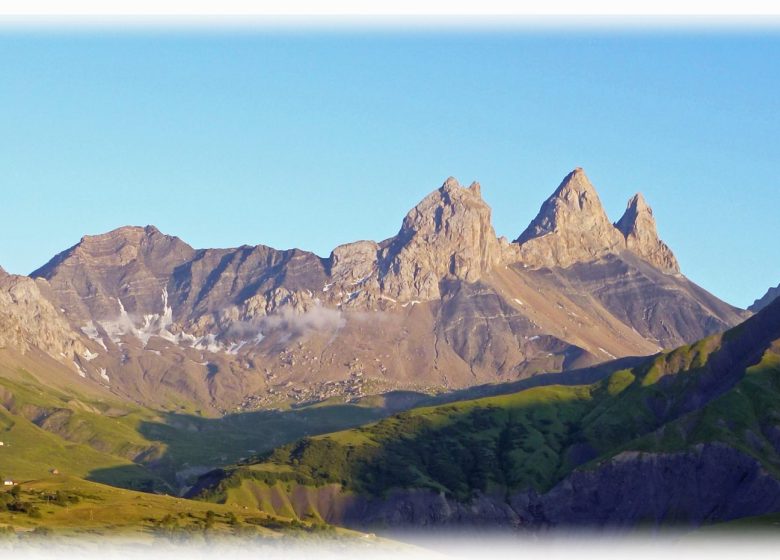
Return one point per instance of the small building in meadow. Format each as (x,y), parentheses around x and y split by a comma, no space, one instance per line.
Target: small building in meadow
(8,482)
(55,471)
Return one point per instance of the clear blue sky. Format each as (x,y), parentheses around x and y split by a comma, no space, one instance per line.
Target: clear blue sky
(312,139)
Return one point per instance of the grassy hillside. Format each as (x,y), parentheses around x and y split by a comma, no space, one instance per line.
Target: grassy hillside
(725,388)
(98,436)
(68,506)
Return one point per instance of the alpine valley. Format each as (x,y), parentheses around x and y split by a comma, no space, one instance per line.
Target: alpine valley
(444,376)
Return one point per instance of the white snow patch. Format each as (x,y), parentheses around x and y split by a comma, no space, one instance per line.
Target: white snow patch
(410,303)
(352,295)
(363,280)
(104,375)
(235,347)
(80,371)
(535,337)
(92,333)
(89,356)
(518,301)
(607,353)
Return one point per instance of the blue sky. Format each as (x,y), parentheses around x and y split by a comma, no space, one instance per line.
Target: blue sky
(314,138)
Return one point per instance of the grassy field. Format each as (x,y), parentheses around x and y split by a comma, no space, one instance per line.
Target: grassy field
(70,507)
(121,444)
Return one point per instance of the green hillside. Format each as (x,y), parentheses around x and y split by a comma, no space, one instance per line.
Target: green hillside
(725,388)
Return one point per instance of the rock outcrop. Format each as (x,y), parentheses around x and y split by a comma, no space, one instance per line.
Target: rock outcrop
(638,227)
(28,320)
(708,484)
(448,234)
(571,227)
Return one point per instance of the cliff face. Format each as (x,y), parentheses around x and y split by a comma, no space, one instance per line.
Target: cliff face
(28,320)
(449,234)
(571,227)
(708,484)
(638,227)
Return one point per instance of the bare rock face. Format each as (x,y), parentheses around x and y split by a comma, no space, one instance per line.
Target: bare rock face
(771,295)
(638,227)
(28,320)
(448,234)
(571,227)
(126,268)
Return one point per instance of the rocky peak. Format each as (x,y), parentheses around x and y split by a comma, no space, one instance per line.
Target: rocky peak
(130,265)
(449,233)
(571,227)
(3,272)
(638,227)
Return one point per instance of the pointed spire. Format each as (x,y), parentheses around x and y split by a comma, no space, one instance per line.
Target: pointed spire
(641,234)
(571,226)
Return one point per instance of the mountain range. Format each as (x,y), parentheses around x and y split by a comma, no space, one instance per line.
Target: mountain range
(443,377)
(444,304)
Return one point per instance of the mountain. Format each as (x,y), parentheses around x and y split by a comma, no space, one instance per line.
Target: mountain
(444,304)
(571,227)
(771,295)
(683,438)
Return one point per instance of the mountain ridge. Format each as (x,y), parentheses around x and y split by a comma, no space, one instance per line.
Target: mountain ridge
(443,304)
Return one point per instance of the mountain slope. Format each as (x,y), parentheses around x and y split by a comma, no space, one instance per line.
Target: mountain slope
(444,304)
(771,295)
(701,422)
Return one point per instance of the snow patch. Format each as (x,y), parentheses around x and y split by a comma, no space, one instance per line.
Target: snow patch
(92,333)
(79,369)
(104,375)
(89,356)
(607,353)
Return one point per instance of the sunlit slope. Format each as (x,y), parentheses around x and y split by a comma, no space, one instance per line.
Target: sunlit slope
(722,391)
(50,418)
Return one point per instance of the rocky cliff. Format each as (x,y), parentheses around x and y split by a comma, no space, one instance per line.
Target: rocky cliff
(638,227)
(571,227)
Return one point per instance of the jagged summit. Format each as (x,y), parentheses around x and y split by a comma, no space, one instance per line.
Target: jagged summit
(639,229)
(571,226)
(448,233)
